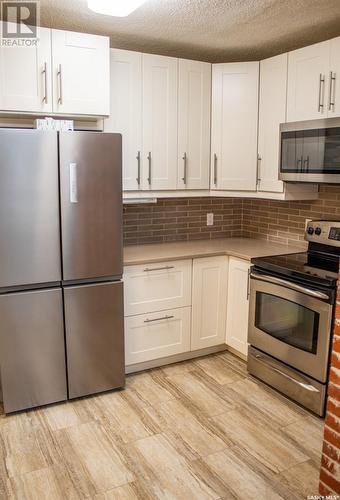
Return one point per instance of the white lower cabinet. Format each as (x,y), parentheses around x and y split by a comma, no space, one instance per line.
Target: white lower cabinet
(190,305)
(157,287)
(209,301)
(238,305)
(157,335)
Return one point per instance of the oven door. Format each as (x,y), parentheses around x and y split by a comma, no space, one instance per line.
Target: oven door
(291,323)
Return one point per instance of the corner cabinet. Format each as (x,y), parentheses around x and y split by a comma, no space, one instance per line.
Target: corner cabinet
(194,96)
(238,305)
(234,126)
(81,73)
(66,73)
(25,76)
(126,112)
(159,122)
(272,112)
(209,301)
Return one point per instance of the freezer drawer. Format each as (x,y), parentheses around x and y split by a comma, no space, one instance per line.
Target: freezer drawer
(29,208)
(91,204)
(94,338)
(32,349)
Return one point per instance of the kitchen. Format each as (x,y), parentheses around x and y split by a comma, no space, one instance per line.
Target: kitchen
(169,250)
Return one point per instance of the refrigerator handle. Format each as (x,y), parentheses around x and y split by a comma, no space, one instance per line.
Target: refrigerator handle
(73,183)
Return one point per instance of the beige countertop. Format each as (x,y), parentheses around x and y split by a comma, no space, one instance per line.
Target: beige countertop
(244,248)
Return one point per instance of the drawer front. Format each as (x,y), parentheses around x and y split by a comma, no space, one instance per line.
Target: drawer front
(157,335)
(157,287)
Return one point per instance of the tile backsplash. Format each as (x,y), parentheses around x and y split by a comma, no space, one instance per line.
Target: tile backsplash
(183,219)
(284,221)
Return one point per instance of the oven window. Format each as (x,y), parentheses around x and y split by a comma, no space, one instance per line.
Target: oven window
(287,321)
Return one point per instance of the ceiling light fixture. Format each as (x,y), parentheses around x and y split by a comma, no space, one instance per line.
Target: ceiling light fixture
(117,8)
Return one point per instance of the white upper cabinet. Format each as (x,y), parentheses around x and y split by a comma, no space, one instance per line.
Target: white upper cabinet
(159,122)
(308,82)
(334,75)
(81,73)
(234,126)
(272,112)
(194,97)
(25,76)
(126,112)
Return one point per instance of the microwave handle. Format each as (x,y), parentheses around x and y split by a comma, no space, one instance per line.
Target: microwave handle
(289,284)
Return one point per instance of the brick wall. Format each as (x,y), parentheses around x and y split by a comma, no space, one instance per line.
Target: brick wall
(330,461)
(184,219)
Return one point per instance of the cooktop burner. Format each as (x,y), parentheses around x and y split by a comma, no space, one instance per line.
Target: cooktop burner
(314,267)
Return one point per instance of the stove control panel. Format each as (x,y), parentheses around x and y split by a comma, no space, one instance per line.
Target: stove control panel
(324,232)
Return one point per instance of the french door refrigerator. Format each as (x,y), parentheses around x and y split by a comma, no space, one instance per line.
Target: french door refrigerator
(61,295)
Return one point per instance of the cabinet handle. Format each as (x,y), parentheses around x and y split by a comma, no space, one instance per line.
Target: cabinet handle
(332,79)
(306,164)
(215,169)
(60,77)
(149,160)
(138,168)
(184,178)
(147,269)
(248,285)
(299,162)
(44,72)
(259,159)
(158,319)
(321,92)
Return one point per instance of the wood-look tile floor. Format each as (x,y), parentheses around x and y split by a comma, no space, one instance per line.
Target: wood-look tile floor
(201,429)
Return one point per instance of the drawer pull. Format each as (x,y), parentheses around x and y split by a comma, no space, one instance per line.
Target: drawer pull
(158,268)
(158,319)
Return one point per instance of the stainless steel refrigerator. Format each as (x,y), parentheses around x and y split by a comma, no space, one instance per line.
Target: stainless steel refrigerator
(61,294)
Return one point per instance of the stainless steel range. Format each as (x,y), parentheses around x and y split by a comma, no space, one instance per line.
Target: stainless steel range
(291,314)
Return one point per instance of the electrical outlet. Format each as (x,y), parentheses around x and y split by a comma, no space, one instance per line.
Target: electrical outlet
(210,219)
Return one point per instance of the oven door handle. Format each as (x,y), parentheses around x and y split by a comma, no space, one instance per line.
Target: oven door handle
(302,382)
(289,284)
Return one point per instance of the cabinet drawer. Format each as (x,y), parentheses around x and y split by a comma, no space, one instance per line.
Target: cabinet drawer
(157,335)
(156,287)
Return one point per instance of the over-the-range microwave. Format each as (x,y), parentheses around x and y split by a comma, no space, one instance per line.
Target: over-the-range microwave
(310,151)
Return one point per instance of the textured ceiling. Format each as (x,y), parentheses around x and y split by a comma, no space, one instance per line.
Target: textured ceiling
(210,30)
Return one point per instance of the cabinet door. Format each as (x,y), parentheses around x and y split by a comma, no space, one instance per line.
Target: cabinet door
(25,76)
(81,73)
(209,302)
(238,305)
(272,112)
(307,93)
(194,124)
(126,111)
(334,84)
(157,335)
(234,126)
(156,287)
(159,122)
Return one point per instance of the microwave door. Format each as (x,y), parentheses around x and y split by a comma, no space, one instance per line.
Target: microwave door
(310,151)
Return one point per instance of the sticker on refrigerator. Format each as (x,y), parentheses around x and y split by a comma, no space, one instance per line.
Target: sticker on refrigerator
(73,183)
